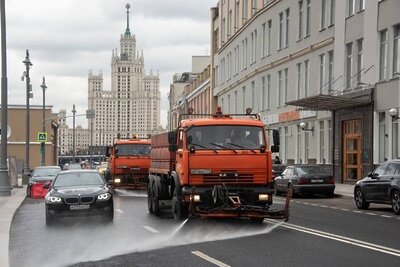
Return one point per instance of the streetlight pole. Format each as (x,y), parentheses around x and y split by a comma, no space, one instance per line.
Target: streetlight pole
(5,188)
(43,144)
(90,114)
(28,64)
(73,133)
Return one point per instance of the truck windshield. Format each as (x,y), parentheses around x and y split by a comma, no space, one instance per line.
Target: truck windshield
(225,137)
(133,150)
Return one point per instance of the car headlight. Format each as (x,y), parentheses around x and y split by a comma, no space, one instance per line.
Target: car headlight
(104,196)
(52,199)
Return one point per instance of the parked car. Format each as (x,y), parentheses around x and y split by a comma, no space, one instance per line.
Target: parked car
(40,176)
(306,179)
(79,193)
(381,186)
(277,169)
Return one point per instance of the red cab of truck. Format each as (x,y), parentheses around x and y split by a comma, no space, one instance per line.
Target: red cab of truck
(218,166)
(128,163)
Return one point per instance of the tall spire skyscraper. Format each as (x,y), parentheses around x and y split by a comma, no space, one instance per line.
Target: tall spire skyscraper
(132,106)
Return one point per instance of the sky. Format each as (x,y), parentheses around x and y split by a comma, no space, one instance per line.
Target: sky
(68,38)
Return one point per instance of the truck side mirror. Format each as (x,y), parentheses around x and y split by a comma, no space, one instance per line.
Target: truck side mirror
(172,147)
(107,151)
(172,138)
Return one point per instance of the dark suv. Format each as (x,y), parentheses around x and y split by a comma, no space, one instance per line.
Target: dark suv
(380,186)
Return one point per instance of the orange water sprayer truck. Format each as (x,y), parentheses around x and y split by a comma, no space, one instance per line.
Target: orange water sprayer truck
(214,165)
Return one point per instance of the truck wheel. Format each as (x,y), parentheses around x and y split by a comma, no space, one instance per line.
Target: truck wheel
(149,199)
(179,210)
(155,205)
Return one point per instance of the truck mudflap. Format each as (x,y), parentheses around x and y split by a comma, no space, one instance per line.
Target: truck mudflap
(229,206)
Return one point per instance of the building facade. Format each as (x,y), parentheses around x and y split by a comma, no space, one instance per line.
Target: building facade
(325,73)
(132,107)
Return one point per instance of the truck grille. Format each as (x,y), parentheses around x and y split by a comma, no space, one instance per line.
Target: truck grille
(228,178)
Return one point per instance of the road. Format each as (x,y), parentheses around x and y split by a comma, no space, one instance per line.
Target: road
(321,232)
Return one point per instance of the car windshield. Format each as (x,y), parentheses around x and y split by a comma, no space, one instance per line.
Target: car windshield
(133,149)
(46,172)
(78,179)
(225,137)
(318,170)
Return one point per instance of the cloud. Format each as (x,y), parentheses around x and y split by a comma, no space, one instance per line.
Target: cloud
(66,39)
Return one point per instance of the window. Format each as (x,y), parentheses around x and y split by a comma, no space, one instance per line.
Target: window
(255,47)
(321,142)
(253,95)
(332,13)
(285,86)
(395,139)
(361,5)
(253,7)
(223,31)
(236,27)
(268,92)
(263,93)
(322,73)
(269,37)
(383,56)
(359,59)
(298,84)
(287,28)
(382,137)
(252,48)
(330,71)
(280,88)
(236,103)
(308,14)
(301,11)
(229,104)
(323,14)
(306,78)
(264,40)
(350,7)
(245,51)
(244,99)
(229,24)
(396,51)
(349,64)
(244,11)
(280,38)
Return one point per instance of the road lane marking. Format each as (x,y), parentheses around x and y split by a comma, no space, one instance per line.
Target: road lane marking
(345,209)
(357,211)
(343,239)
(209,259)
(151,229)
(386,216)
(118,210)
(370,213)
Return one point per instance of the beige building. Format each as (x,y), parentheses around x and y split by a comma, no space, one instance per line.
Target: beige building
(191,90)
(132,107)
(16,142)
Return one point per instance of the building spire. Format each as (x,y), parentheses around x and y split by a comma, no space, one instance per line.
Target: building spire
(127,31)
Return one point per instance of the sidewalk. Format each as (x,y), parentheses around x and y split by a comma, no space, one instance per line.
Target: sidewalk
(8,206)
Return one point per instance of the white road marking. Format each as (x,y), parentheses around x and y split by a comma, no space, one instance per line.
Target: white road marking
(370,213)
(323,206)
(357,211)
(344,239)
(386,216)
(151,229)
(118,210)
(209,259)
(345,209)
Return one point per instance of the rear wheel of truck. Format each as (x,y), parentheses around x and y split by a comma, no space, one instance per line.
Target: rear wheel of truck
(179,209)
(149,199)
(154,203)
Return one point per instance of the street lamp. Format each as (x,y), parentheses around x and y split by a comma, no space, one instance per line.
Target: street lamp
(43,144)
(90,114)
(73,133)
(5,188)
(303,126)
(29,95)
(394,113)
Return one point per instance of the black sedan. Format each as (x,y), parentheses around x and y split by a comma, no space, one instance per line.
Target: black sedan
(306,179)
(79,193)
(381,186)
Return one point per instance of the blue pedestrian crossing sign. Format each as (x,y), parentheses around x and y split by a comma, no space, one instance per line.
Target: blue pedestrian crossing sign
(42,137)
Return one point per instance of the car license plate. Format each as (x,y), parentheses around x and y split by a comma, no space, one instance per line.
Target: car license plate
(79,207)
(317,180)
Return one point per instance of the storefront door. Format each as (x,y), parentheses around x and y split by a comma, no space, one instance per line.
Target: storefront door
(352,147)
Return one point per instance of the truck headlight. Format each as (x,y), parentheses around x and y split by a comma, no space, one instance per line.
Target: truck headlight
(117,180)
(263,197)
(195,198)
(200,171)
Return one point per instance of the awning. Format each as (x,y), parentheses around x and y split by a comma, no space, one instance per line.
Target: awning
(330,102)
